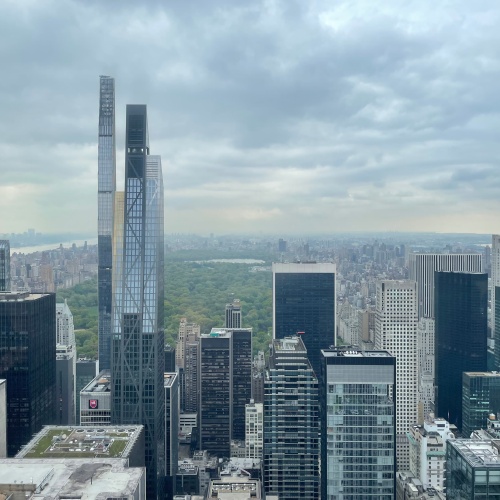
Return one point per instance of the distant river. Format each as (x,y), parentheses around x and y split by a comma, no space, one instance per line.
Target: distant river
(53,246)
(231,261)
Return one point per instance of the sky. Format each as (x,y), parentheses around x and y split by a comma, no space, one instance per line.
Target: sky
(279,116)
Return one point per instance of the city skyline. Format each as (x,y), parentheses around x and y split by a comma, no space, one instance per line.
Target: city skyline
(309,117)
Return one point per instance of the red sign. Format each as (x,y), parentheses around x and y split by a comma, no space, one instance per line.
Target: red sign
(93,404)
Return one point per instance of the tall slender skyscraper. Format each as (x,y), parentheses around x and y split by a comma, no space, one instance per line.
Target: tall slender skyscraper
(495,274)
(138,336)
(461,301)
(396,332)
(233,314)
(105,199)
(4,266)
(304,303)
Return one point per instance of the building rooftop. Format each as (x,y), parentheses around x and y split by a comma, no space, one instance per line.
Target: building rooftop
(293,343)
(218,333)
(100,384)
(20,296)
(168,379)
(69,478)
(478,453)
(54,441)
(483,374)
(352,351)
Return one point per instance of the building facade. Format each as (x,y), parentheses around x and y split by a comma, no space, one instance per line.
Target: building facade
(472,469)
(358,425)
(171,385)
(254,430)
(304,301)
(426,367)
(4,266)
(106,171)
(422,267)
(480,398)
(95,401)
(86,370)
(28,363)
(291,422)
(495,277)
(461,301)
(138,301)
(233,314)
(396,332)
(225,375)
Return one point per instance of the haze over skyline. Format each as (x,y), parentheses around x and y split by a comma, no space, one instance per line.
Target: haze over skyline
(274,116)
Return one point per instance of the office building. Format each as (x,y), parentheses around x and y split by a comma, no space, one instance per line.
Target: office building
(169,358)
(28,363)
(190,386)
(422,267)
(495,276)
(480,398)
(138,301)
(304,303)
(254,430)
(65,384)
(291,422)
(171,385)
(472,469)
(426,367)
(496,327)
(233,314)
(95,401)
(225,374)
(461,302)
(428,451)
(188,332)
(106,171)
(396,332)
(4,266)
(3,418)
(86,370)
(65,366)
(358,424)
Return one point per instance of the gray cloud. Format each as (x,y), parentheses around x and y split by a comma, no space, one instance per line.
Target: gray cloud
(271,115)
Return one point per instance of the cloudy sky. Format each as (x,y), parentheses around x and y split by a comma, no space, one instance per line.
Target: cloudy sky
(274,116)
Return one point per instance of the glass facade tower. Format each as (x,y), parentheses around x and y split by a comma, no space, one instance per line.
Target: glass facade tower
(304,302)
(105,200)
(461,302)
(138,337)
(291,423)
(28,363)
(358,425)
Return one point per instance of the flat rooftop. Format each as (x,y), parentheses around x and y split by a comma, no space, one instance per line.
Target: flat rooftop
(483,374)
(100,384)
(292,343)
(55,441)
(20,296)
(235,488)
(168,379)
(352,352)
(478,453)
(84,479)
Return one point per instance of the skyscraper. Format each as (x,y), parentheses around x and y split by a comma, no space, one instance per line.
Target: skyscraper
(4,266)
(233,314)
(495,275)
(28,363)
(396,332)
(105,199)
(304,302)
(225,378)
(291,423)
(138,336)
(422,267)
(171,385)
(480,397)
(461,301)
(358,424)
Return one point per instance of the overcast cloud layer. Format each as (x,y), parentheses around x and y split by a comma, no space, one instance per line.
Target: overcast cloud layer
(275,116)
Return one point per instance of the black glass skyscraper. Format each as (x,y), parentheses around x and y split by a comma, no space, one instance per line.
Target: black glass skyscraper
(105,199)
(304,302)
(461,302)
(138,337)
(28,362)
